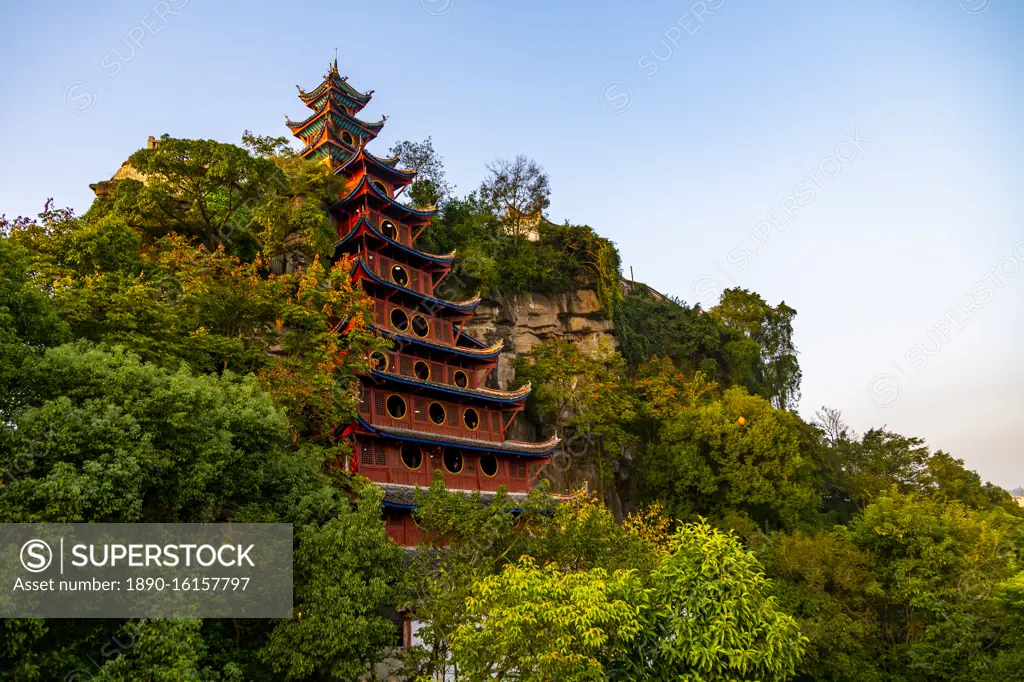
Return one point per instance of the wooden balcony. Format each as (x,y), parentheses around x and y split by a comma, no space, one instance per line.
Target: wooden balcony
(400,273)
(383,463)
(397,409)
(416,367)
(418,322)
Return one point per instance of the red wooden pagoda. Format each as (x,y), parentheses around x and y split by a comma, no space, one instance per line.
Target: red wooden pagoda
(425,405)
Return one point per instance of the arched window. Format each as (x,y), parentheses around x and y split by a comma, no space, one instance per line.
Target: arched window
(412,456)
(489,465)
(378,361)
(396,406)
(420,326)
(399,319)
(421,370)
(381,187)
(461,379)
(437,413)
(399,275)
(471,418)
(347,138)
(452,460)
(388,229)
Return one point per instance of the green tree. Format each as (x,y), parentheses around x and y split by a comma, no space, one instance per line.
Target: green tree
(171,301)
(164,651)
(345,568)
(828,584)
(769,332)
(733,455)
(198,188)
(517,192)
(430,188)
(534,624)
(712,616)
(650,326)
(939,564)
(583,393)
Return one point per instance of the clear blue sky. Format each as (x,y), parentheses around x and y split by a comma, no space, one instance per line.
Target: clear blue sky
(684,138)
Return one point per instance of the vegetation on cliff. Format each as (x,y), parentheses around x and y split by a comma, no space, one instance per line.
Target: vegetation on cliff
(160,360)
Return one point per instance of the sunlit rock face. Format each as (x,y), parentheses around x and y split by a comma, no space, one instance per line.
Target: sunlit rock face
(532,319)
(535,318)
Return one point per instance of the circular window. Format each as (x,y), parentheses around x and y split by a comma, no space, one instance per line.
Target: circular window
(471,418)
(380,187)
(399,320)
(461,378)
(399,276)
(452,460)
(396,406)
(347,138)
(412,456)
(489,465)
(388,229)
(421,370)
(436,413)
(420,326)
(378,361)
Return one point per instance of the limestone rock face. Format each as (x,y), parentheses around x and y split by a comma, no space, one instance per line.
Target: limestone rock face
(525,322)
(532,319)
(535,318)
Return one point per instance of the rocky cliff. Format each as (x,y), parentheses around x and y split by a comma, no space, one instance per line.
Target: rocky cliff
(533,319)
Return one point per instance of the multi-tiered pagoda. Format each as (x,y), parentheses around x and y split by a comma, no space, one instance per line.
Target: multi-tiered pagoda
(429,404)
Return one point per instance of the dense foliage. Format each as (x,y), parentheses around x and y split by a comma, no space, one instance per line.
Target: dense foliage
(741,341)
(491,227)
(172,356)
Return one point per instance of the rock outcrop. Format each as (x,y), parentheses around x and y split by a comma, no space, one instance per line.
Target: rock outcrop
(525,322)
(535,318)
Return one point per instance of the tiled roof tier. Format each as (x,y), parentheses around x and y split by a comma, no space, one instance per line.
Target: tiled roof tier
(334,80)
(365,184)
(446,258)
(484,353)
(508,447)
(326,137)
(387,166)
(464,306)
(491,394)
(352,123)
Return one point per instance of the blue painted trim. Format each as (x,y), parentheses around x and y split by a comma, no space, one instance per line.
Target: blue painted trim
(414,252)
(436,346)
(385,197)
(443,389)
(461,446)
(397,171)
(399,287)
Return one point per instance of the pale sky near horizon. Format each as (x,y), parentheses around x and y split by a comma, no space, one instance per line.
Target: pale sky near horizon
(859,160)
